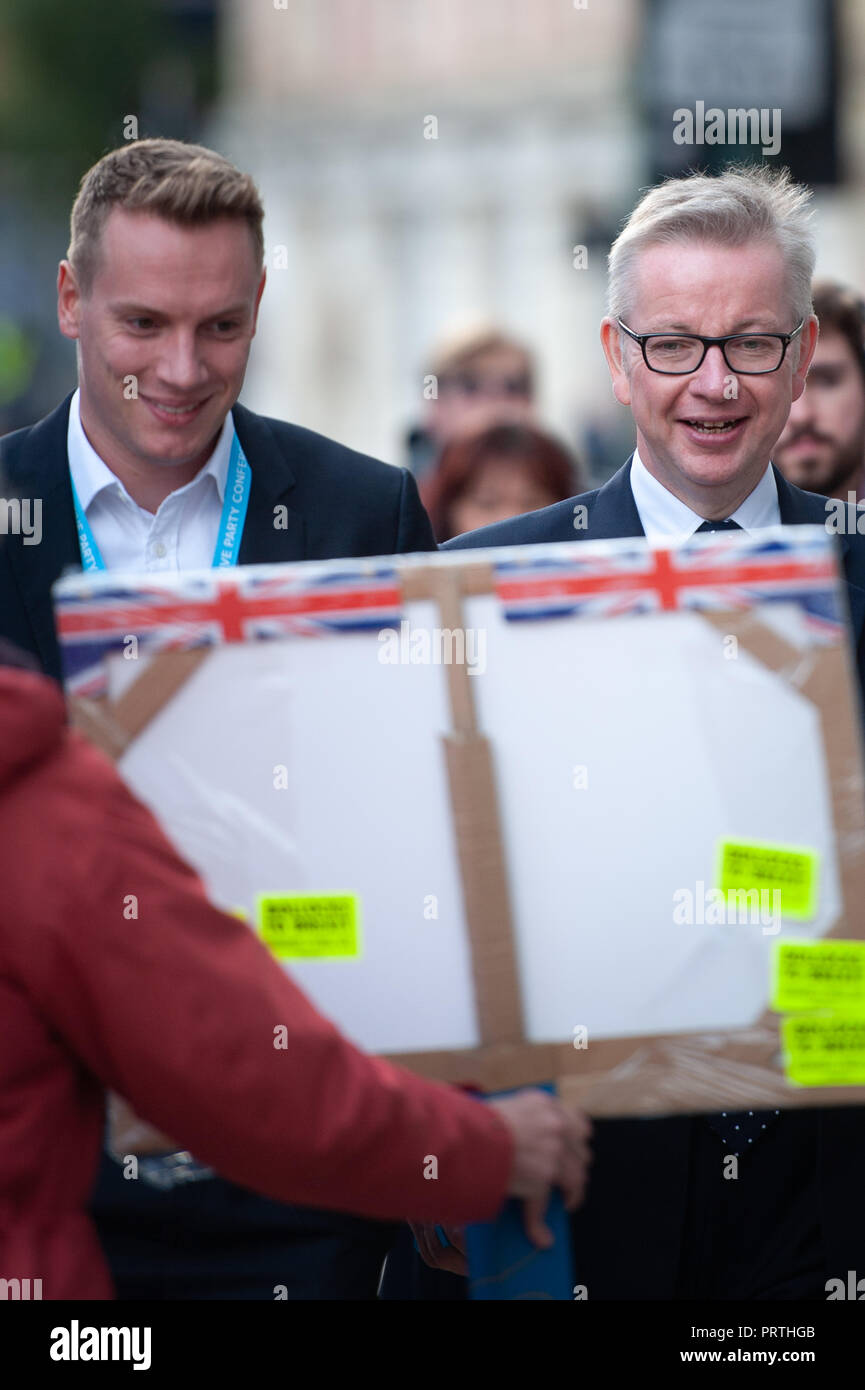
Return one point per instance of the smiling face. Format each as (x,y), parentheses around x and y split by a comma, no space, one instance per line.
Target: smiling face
(175,308)
(823,446)
(712,290)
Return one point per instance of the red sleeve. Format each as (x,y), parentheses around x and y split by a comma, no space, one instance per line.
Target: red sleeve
(178,1009)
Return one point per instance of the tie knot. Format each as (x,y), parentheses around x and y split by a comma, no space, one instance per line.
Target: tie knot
(728,525)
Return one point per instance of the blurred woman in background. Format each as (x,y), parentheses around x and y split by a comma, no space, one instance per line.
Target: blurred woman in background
(501,472)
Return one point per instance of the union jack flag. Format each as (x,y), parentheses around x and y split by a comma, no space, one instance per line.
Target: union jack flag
(716,571)
(98,614)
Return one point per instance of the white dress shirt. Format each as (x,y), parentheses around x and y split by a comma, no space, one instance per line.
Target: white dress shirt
(665,516)
(181,535)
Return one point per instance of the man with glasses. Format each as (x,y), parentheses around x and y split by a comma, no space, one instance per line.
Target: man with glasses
(708,339)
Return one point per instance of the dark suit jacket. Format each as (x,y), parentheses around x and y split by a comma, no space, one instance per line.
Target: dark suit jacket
(338,503)
(628,1235)
(213,1239)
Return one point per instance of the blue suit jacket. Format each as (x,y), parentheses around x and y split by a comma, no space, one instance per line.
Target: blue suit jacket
(213,1239)
(338,503)
(629,1234)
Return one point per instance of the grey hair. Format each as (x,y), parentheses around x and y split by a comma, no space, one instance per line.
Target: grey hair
(744,203)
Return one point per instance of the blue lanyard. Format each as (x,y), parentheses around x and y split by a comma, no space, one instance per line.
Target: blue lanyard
(231,522)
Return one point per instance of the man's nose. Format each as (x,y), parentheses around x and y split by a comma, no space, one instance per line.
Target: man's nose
(713,376)
(181,365)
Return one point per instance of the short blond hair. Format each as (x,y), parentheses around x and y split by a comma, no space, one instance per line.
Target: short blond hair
(744,203)
(460,350)
(187,184)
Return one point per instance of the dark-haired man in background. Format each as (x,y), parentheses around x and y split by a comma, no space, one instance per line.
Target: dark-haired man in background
(822,448)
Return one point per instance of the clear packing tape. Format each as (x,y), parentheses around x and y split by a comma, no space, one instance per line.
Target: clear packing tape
(629,1073)
(752,1067)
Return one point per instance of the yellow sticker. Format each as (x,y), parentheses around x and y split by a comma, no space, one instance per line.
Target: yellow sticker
(787,877)
(824,1051)
(315,926)
(818,975)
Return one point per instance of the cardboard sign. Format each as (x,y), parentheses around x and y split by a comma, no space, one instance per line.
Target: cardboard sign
(579,793)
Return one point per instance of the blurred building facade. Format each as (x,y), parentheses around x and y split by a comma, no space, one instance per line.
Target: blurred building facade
(425,164)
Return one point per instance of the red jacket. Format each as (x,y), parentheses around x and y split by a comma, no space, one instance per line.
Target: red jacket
(176,1011)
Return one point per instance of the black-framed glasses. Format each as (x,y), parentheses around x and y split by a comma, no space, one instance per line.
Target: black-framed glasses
(678,354)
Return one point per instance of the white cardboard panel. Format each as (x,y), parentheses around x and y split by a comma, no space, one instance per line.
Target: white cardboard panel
(592,872)
(682,748)
(366,811)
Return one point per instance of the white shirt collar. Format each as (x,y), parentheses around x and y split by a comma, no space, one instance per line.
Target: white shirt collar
(91,475)
(663,515)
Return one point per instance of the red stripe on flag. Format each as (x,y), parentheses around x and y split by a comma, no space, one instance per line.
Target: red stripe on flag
(666,579)
(228,607)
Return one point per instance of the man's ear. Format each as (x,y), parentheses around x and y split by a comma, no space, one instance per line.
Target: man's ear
(807,347)
(611,342)
(68,300)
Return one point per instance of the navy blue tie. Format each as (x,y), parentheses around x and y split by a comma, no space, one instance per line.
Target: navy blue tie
(738,1130)
(729,525)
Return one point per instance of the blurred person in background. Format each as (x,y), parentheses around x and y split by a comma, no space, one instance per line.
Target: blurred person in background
(822,448)
(479,378)
(501,472)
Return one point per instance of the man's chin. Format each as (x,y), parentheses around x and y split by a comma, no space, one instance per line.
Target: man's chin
(720,470)
(173,454)
(175,446)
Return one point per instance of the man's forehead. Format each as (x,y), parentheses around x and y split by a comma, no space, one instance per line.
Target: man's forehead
(699,251)
(680,282)
(144,260)
(143,237)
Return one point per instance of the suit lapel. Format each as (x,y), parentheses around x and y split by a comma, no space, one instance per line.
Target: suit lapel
(38,468)
(274,531)
(797,507)
(613,512)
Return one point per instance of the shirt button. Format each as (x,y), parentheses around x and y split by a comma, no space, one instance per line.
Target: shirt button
(159,550)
